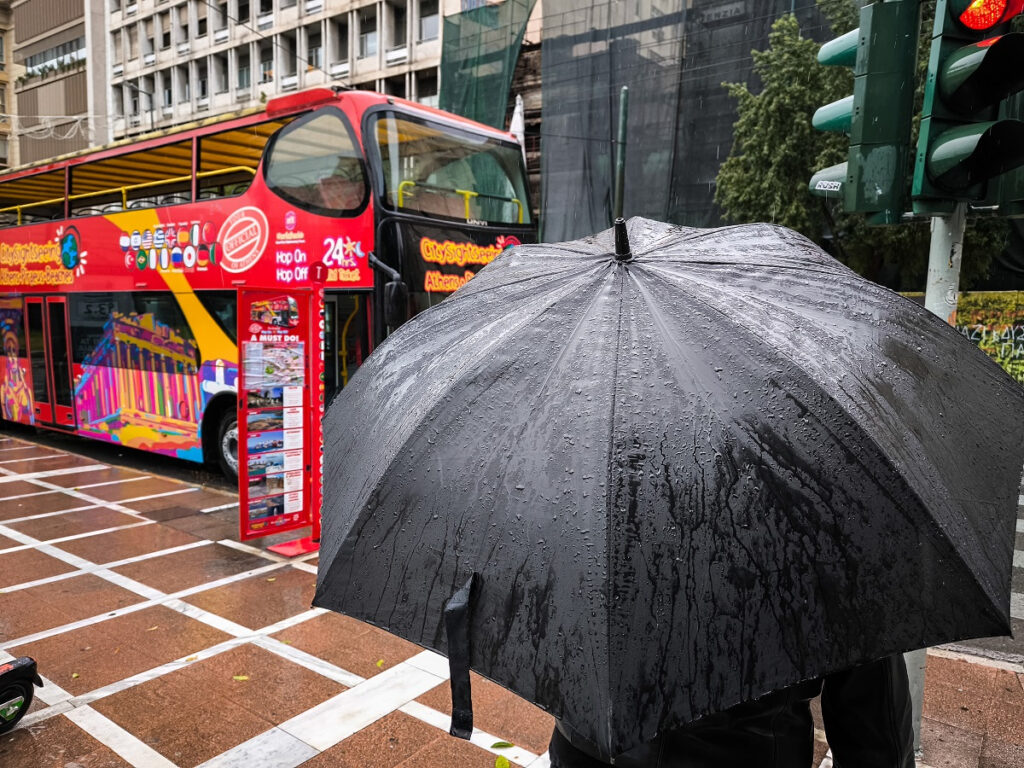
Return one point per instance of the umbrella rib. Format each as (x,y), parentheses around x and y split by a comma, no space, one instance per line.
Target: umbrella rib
(610,498)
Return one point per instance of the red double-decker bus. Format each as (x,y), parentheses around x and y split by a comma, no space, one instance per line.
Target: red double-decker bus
(204,292)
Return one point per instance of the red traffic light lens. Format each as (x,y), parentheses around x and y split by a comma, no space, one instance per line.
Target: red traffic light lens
(985,14)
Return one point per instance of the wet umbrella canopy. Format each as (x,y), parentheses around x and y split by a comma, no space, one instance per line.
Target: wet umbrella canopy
(718,467)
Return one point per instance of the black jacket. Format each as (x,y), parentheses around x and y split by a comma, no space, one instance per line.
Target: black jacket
(867,722)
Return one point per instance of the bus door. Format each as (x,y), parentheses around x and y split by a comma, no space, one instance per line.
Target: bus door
(50,360)
(346,338)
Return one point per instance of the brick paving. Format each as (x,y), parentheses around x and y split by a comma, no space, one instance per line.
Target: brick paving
(163,641)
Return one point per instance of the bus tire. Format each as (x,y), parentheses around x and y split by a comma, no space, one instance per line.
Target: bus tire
(226,447)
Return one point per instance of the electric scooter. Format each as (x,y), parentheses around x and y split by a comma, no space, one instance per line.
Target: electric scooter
(16,679)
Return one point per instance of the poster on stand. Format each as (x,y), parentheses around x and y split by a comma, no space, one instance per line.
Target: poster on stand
(279,428)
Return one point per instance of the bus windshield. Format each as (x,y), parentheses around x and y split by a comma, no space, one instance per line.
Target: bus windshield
(436,170)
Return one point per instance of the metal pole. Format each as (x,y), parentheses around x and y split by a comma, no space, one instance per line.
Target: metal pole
(940,298)
(947,245)
(620,152)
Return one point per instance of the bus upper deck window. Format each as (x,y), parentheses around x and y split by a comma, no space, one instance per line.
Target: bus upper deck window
(314,163)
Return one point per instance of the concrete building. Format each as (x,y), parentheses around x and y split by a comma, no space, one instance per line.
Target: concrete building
(58,93)
(170,62)
(8,148)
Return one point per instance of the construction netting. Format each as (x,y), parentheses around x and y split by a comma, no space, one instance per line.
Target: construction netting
(479,50)
(674,57)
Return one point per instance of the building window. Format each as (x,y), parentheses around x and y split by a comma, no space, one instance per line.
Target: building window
(116,52)
(133,42)
(220,73)
(426,87)
(428,20)
(183,32)
(243,11)
(3,57)
(184,85)
(244,72)
(4,157)
(368,32)
(339,39)
(399,22)
(314,48)
(165,30)
(201,19)
(168,91)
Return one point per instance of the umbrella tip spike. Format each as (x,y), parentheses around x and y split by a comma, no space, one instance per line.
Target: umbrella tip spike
(622,252)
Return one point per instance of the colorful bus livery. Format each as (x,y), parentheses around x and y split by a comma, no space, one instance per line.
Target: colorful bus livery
(143,283)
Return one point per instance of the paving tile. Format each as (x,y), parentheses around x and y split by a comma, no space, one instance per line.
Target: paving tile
(131,542)
(167,511)
(999,754)
(499,712)
(102,653)
(205,526)
(73,523)
(196,499)
(191,567)
(276,689)
(975,697)
(383,744)
(17,488)
(121,491)
(349,644)
(193,714)
(260,600)
(47,463)
(75,479)
(54,501)
(55,743)
(451,753)
(32,610)
(29,565)
(946,746)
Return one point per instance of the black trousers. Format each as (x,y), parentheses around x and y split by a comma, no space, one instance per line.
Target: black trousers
(867,716)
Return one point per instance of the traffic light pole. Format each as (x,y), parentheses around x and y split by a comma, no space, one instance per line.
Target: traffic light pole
(942,288)
(940,298)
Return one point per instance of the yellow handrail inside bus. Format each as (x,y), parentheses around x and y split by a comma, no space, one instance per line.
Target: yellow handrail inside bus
(124,190)
(401,189)
(466,194)
(344,341)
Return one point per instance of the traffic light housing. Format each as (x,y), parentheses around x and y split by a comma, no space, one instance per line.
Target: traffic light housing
(968,138)
(878,116)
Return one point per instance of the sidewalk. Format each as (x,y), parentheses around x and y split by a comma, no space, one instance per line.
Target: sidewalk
(163,641)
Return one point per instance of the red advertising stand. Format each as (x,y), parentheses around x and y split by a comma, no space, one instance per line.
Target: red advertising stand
(280,409)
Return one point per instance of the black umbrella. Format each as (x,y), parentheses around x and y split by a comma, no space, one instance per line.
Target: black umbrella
(685,478)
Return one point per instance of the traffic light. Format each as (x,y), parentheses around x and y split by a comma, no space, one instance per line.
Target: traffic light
(968,136)
(883,54)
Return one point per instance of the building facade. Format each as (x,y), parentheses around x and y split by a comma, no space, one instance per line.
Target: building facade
(59,92)
(8,148)
(170,62)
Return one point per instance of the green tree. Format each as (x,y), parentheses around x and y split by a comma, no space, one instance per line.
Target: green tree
(776,151)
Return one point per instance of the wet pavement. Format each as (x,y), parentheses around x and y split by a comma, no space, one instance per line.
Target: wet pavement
(164,641)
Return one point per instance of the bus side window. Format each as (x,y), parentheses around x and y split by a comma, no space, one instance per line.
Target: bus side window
(228,160)
(315,163)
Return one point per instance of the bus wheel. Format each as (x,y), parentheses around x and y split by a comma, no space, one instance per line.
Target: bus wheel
(227,446)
